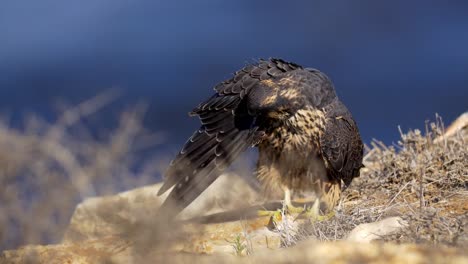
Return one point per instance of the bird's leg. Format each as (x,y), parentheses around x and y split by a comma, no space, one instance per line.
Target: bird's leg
(287,207)
(287,197)
(275,216)
(327,197)
(290,208)
(315,214)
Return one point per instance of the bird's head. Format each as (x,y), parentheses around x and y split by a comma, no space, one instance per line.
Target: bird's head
(320,90)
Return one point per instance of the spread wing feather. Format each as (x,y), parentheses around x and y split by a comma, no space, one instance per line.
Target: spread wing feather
(227,130)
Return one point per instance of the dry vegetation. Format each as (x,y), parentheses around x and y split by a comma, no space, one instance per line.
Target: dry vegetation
(46,169)
(423,179)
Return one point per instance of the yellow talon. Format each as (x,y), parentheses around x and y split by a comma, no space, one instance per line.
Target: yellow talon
(318,217)
(314,215)
(311,212)
(275,214)
(294,209)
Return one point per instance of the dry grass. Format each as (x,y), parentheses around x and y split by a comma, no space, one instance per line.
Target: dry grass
(420,179)
(45,169)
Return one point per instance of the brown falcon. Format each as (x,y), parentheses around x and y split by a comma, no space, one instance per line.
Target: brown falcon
(306,138)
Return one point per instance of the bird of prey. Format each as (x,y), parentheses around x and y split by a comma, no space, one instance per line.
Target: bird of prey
(306,138)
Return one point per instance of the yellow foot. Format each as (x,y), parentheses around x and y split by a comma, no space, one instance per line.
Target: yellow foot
(317,217)
(275,216)
(295,210)
(313,213)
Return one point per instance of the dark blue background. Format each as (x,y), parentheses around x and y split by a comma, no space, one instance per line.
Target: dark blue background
(392,62)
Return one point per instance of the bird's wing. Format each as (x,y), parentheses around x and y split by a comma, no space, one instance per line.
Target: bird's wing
(227,130)
(341,143)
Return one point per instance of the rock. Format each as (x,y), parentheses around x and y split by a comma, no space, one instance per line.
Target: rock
(111,215)
(108,249)
(129,215)
(346,252)
(373,231)
(233,238)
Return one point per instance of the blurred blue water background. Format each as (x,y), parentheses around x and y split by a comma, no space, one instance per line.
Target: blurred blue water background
(392,62)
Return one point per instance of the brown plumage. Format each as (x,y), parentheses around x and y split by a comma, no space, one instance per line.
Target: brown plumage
(307,139)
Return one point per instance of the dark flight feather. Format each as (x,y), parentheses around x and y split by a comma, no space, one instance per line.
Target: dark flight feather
(227,130)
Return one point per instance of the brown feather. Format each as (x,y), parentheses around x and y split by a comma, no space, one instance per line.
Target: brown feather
(307,139)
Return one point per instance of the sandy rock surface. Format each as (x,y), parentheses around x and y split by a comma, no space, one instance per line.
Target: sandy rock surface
(101,216)
(93,237)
